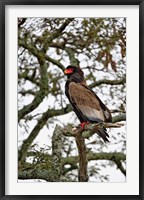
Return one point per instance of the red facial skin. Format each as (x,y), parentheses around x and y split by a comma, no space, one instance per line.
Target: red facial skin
(69,71)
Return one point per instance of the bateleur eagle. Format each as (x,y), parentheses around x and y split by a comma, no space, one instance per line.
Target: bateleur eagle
(85,103)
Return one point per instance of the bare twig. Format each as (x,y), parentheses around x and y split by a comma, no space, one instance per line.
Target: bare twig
(56,34)
(55,62)
(109,82)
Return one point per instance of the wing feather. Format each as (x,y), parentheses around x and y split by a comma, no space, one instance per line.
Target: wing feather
(86,102)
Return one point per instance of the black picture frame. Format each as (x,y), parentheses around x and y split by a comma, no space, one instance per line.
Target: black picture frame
(3,3)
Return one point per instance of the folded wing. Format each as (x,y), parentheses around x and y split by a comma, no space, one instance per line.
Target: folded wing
(87,104)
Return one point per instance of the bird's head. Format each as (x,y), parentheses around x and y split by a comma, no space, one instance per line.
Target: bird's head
(73,70)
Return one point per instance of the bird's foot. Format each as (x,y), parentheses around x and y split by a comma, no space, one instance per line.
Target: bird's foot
(83,124)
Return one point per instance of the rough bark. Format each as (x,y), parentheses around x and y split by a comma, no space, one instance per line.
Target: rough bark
(82,171)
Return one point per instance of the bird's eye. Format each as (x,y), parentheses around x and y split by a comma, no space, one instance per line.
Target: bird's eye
(69,71)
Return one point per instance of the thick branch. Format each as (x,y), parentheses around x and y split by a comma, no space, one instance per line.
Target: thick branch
(72,58)
(82,173)
(116,157)
(112,156)
(56,154)
(118,118)
(89,129)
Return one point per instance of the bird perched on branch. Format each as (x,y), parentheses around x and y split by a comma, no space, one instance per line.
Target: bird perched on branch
(85,103)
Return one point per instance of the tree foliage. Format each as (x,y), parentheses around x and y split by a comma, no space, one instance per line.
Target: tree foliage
(46,46)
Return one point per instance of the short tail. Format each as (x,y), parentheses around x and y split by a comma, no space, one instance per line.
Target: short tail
(103,134)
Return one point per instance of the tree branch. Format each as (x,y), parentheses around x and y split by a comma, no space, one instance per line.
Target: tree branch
(41,122)
(116,157)
(56,154)
(120,167)
(47,174)
(55,62)
(53,173)
(39,95)
(43,174)
(118,118)
(68,131)
(56,34)
(82,172)
(29,92)
(112,156)
(71,54)
(91,128)
(106,81)
(31,48)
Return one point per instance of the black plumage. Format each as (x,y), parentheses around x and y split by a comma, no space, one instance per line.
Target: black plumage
(85,103)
